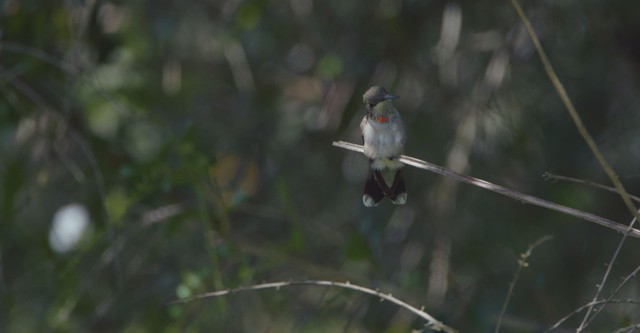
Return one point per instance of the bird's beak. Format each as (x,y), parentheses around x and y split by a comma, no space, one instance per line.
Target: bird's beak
(387,96)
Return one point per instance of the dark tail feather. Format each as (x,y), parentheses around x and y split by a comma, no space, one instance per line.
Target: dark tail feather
(398,189)
(373,193)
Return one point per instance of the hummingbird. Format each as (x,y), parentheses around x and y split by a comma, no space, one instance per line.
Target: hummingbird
(384,137)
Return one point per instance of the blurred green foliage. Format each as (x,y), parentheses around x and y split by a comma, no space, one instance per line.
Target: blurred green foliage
(198,134)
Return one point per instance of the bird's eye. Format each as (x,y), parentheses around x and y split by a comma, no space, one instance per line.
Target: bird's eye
(370,105)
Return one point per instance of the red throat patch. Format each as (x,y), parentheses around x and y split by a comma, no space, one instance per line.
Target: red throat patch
(383,119)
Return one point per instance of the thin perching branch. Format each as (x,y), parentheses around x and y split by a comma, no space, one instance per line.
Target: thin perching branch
(522,197)
(432,323)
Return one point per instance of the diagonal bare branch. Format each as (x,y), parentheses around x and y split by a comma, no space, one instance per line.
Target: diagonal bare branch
(522,197)
(551,73)
(559,87)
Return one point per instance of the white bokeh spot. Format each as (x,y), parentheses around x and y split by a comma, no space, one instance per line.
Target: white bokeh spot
(70,223)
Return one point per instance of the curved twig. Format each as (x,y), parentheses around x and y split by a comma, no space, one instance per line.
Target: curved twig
(432,323)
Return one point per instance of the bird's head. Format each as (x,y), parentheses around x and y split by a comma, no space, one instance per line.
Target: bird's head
(377,100)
